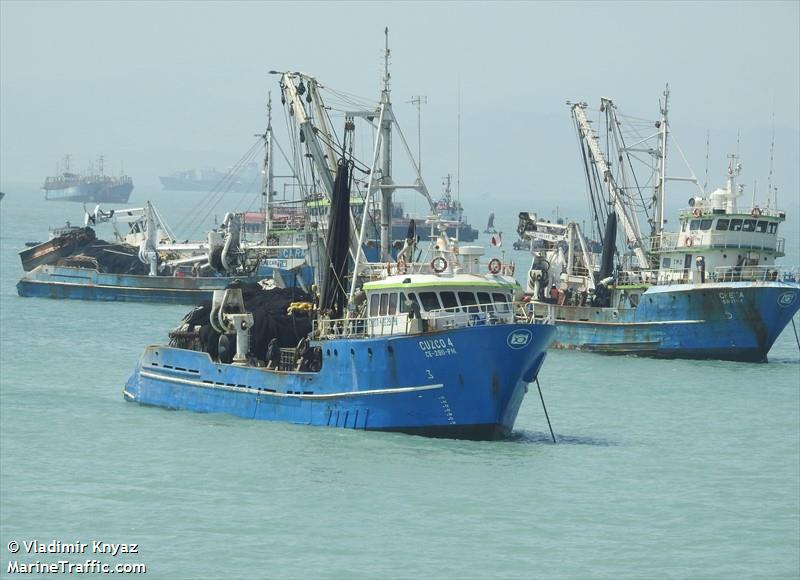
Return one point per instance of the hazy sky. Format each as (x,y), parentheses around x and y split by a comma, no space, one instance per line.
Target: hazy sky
(169,85)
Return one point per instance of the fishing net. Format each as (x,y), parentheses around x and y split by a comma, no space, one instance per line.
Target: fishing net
(108,258)
(273,328)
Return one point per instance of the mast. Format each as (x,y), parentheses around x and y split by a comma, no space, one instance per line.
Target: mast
(657,229)
(386,158)
(267,178)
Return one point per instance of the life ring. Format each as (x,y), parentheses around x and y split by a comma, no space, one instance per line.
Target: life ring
(689,241)
(696,212)
(402,266)
(756,213)
(438,264)
(494,265)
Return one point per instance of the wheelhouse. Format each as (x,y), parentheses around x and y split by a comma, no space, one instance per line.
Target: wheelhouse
(427,301)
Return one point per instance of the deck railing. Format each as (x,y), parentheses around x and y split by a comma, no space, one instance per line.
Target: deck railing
(439,319)
(670,276)
(704,239)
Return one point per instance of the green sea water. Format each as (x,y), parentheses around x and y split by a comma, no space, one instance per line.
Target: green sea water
(663,469)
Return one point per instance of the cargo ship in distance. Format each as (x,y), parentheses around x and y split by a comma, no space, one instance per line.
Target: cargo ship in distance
(95,187)
(248,180)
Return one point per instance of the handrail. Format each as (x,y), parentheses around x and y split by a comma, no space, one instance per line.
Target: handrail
(664,276)
(439,319)
(704,239)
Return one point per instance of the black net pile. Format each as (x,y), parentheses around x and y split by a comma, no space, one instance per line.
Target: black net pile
(272,328)
(106,257)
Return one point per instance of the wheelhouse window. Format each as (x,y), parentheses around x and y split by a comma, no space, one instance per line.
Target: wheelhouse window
(429,301)
(706,224)
(449,301)
(722,224)
(694,225)
(761,226)
(665,262)
(384,304)
(736,225)
(468,301)
(773,227)
(374,301)
(393,303)
(485,301)
(501,302)
(749,226)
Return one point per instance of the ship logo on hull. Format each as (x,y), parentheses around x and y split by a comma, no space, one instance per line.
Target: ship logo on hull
(519,339)
(787,299)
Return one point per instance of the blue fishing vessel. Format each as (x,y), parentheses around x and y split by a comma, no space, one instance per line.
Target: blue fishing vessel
(441,372)
(429,343)
(146,263)
(711,290)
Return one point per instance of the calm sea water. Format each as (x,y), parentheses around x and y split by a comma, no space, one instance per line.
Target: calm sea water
(664,469)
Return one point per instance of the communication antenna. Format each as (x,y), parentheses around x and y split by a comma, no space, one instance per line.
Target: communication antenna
(708,135)
(738,156)
(771,160)
(458,163)
(419,100)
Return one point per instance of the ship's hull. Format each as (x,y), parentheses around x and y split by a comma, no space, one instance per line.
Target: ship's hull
(737,321)
(48,281)
(462,383)
(92,192)
(178,184)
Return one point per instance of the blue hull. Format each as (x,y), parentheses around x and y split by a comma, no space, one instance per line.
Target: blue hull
(736,321)
(462,383)
(84,284)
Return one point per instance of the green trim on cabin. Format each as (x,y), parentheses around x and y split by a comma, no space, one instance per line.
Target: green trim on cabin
(379,286)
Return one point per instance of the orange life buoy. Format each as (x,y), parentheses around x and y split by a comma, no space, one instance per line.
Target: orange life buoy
(439,264)
(756,212)
(689,241)
(696,212)
(494,265)
(402,266)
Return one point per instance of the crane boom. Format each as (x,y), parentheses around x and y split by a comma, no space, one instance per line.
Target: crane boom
(629,223)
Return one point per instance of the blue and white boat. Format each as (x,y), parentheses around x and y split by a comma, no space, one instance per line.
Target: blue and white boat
(146,263)
(710,291)
(403,362)
(430,343)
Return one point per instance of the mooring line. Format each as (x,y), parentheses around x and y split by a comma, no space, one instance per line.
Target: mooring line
(545,410)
